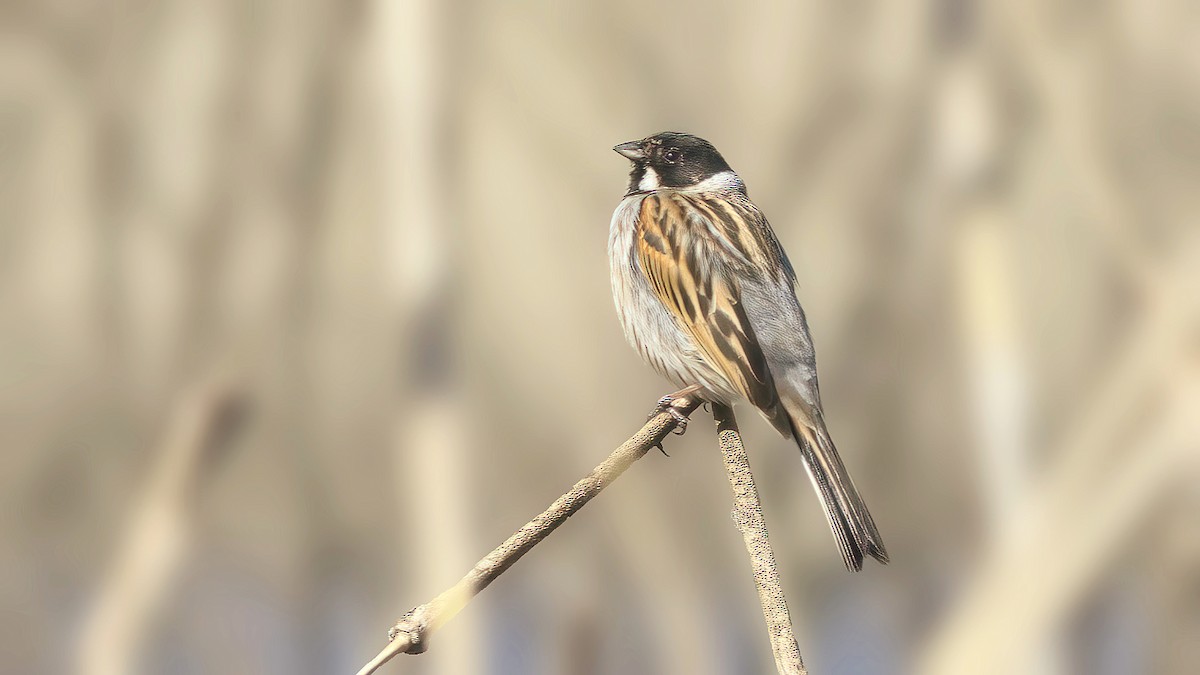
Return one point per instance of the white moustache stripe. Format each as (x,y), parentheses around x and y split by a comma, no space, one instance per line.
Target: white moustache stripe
(649,180)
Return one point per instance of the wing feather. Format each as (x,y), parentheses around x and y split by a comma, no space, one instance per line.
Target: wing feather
(690,255)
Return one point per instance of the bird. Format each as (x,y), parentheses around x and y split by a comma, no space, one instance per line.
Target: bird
(707,296)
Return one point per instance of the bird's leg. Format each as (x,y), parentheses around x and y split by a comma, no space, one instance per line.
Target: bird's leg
(665,405)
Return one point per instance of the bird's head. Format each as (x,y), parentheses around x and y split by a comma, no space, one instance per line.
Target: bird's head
(676,160)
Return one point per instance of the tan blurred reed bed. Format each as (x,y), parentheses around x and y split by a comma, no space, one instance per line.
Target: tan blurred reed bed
(386,221)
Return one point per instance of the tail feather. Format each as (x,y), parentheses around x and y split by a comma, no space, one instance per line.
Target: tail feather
(851,522)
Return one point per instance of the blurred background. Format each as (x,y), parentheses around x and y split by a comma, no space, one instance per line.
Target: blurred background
(305,307)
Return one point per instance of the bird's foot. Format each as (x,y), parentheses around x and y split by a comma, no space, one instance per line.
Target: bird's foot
(666,404)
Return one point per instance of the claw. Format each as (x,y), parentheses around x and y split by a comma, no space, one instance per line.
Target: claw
(681,421)
(661,449)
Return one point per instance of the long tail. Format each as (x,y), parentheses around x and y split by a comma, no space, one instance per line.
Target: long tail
(851,522)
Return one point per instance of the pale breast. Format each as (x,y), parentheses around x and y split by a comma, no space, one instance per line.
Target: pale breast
(649,326)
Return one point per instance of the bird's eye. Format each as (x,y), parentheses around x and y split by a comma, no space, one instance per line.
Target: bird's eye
(671,156)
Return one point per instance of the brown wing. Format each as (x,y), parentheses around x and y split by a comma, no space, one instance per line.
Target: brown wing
(689,258)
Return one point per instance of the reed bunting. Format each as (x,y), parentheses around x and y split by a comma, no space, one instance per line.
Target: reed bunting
(706,294)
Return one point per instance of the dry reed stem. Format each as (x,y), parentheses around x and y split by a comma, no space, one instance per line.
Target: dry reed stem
(411,633)
(747,513)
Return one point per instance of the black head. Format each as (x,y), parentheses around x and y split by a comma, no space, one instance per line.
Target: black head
(672,160)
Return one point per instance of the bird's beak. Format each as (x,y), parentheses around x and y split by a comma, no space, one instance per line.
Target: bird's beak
(631,150)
